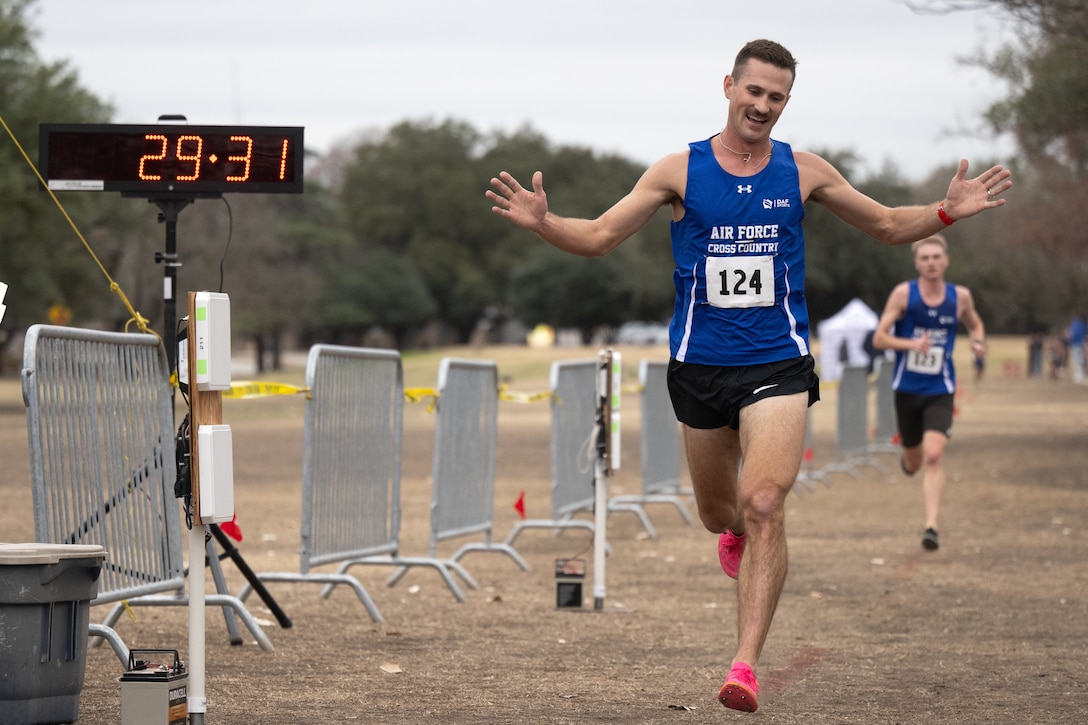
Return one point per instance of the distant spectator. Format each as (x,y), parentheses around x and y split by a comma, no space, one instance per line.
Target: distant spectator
(1075,337)
(1036,341)
(870,350)
(1057,353)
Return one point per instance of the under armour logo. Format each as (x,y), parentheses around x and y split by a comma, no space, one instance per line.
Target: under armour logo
(742,189)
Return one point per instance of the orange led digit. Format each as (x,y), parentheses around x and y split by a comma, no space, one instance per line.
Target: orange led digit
(195,158)
(148,157)
(283,159)
(245,158)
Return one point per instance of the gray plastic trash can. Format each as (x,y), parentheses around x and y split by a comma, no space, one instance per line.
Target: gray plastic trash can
(45,594)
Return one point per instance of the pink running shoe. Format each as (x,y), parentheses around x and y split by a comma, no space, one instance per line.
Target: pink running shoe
(740,689)
(730,550)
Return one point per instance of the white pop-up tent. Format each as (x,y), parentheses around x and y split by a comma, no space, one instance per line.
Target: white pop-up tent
(842,338)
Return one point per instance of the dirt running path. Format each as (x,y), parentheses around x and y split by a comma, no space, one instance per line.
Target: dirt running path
(871,629)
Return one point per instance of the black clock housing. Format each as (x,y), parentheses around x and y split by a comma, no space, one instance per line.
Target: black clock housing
(165,160)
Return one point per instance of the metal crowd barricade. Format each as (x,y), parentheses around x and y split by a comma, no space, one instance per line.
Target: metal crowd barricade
(573,386)
(463,488)
(852,431)
(660,450)
(102,461)
(887,428)
(351,471)
(808,471)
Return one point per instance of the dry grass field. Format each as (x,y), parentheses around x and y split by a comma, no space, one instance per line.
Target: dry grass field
(871,628)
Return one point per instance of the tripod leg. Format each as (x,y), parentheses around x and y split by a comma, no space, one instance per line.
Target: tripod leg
(221,587)
(258,586)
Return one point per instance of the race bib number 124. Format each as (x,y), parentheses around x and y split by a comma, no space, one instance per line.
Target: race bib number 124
(736,282)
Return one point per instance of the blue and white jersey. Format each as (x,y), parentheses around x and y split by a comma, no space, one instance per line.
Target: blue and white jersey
(740,264)
(931,373)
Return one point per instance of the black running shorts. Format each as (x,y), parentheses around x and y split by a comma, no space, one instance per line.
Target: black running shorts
(711,396)
(918,413)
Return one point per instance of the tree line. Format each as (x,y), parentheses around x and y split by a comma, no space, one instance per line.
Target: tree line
(393,241)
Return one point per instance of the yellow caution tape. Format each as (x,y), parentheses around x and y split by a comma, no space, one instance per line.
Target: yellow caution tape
(255,389)
(128,610)
(244,389)
(508,396)
(415,395)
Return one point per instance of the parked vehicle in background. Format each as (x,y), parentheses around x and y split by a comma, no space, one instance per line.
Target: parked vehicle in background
(643,333)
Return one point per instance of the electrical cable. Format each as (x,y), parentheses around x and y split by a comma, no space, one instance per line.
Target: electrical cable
(230,235)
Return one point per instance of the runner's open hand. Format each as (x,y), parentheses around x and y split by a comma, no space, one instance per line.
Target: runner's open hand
(967,197)
(520,205)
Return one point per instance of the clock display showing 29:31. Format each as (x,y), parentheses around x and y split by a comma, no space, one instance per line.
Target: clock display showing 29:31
(166,159)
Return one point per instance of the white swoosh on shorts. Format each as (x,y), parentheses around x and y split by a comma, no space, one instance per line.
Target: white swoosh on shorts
(761,388)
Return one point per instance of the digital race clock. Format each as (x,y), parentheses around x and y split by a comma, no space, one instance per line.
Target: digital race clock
(171,160)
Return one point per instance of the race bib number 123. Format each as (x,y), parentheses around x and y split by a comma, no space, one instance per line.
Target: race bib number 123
(930,362)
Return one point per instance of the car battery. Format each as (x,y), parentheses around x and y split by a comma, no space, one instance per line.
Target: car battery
(569,576)
(155,689)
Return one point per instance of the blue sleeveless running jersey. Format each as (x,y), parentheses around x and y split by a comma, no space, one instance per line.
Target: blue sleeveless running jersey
(933,372)
(740,263)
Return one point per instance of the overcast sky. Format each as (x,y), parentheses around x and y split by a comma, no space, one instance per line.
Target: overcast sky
(638,77)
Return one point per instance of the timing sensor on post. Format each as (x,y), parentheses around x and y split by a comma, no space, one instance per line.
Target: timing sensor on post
(211,331)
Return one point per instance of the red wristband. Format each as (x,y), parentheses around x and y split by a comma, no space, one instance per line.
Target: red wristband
(943,216)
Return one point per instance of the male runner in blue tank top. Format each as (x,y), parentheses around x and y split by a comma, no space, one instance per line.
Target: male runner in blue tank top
(919,322)
(742,375)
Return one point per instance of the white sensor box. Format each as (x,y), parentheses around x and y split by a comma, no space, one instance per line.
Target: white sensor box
(212,335)
(183,361)
(615,388)
(215,451)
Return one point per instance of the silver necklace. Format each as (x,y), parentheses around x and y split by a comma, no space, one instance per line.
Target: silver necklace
(746,156)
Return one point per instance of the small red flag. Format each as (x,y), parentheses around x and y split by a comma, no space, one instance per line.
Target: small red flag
(808,455)
(519,505)
(232,529)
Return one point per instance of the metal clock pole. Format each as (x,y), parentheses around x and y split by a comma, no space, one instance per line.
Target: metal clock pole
(168,214)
